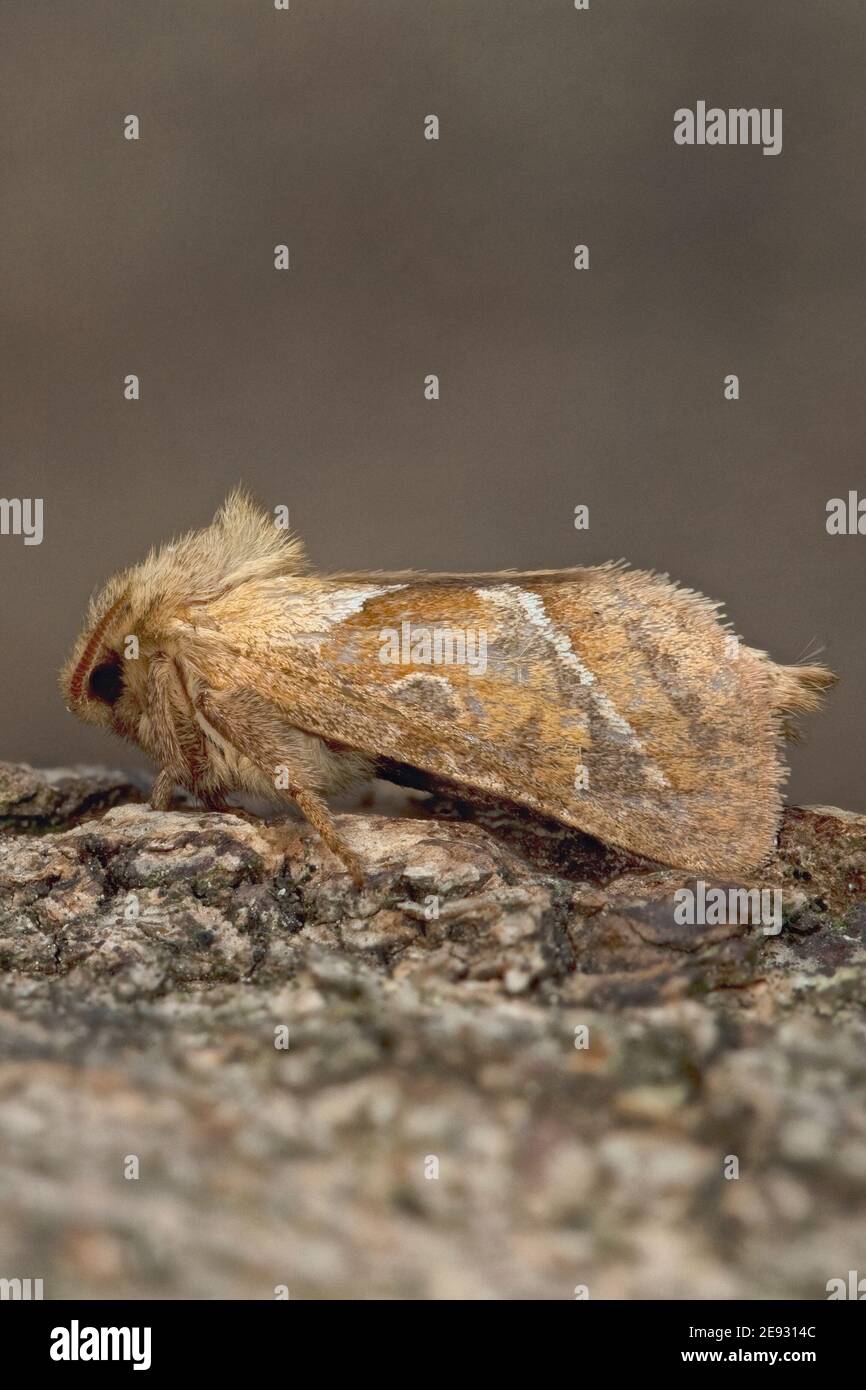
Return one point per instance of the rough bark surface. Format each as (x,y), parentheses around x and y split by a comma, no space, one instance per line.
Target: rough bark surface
(153,964)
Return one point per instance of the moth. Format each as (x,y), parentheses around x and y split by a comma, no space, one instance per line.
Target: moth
(608,699)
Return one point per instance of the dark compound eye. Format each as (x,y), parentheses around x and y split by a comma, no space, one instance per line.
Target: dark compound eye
(106,683)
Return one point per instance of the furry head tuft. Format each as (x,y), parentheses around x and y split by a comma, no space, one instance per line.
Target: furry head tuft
(242,543)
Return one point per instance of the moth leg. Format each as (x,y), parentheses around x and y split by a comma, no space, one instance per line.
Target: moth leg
(317,812)
(178,739)
(162,791)
(255,730)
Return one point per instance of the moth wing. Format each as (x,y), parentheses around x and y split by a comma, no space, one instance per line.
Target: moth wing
(608,699)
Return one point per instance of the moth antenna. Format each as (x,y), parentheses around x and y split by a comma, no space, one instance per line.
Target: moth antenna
(76,684)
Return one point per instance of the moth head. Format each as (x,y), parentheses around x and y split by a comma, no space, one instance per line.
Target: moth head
(139,611)
(99,683)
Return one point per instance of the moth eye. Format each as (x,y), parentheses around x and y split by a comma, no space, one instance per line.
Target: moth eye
(106,682)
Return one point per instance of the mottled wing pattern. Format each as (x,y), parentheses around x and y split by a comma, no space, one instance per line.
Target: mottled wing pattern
(607,698)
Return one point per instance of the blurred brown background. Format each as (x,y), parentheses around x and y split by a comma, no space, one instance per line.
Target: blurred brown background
(410,257)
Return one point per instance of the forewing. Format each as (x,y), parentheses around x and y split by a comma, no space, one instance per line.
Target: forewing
(606,698)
